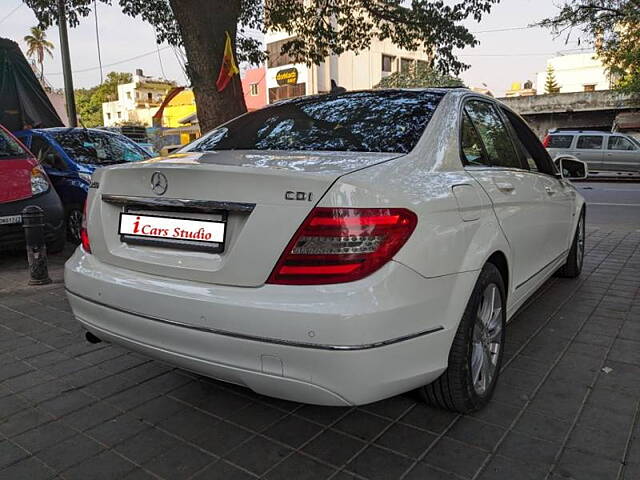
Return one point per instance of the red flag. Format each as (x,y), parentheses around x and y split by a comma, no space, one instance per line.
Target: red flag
(228,68)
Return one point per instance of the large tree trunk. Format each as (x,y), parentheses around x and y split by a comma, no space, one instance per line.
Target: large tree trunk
(202,24)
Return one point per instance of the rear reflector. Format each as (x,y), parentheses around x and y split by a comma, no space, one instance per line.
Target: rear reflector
(337,245)
(84,234)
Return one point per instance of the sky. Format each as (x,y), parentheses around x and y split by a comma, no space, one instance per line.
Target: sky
(512,54)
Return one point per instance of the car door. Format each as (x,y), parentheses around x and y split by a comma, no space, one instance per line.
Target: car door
(518,201)
(589,148)
(621,155)
(558,194)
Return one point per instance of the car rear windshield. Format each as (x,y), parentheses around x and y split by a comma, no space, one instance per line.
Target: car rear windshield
(97,148)
(383,121)
(560,141)
(9,147)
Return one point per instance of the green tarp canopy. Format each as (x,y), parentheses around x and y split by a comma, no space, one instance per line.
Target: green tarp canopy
(23,101)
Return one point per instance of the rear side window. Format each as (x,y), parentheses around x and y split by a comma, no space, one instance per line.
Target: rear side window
(472,148)
(9,147)
(494,134)
(536,155)
(560,141)
(589,142)
(620,143)
(383,121)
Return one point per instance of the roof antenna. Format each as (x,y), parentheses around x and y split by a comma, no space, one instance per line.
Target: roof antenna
(335,89)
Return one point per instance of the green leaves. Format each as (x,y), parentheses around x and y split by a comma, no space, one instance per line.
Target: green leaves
(319,28)
(327,27)
(89,100)
(420,76)
(550,84)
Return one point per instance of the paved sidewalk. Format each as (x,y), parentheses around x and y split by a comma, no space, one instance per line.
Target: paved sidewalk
(566,407)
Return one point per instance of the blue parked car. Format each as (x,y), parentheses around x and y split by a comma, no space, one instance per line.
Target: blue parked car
(70,156)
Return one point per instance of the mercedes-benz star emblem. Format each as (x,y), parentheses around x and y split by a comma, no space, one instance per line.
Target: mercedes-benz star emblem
(159,183)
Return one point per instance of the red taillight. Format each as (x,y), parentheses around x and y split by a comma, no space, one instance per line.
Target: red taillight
(547,141)
(336,245)
(84,234)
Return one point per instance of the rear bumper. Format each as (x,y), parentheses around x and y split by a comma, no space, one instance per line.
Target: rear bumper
(12,236)
(354,360)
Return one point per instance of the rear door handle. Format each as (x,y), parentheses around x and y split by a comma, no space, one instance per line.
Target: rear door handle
(549,190)
(505,186)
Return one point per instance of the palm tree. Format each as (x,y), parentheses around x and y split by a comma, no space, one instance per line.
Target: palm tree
(38,45)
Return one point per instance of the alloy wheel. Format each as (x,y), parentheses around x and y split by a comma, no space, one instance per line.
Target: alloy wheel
(486,339)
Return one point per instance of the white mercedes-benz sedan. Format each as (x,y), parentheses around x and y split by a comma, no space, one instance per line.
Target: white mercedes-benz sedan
(335,249)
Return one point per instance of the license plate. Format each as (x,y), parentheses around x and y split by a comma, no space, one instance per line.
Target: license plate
(173,232)
(10,219)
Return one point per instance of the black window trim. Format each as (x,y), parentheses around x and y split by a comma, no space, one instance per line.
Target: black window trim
(466,99)
(551,166)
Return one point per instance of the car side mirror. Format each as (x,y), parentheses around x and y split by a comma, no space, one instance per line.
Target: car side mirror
(571,168)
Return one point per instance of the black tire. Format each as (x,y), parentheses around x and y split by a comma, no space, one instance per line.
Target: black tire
(573,267)
(455,389)
(73,218)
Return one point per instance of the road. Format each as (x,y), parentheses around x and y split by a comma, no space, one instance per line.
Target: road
(612,203)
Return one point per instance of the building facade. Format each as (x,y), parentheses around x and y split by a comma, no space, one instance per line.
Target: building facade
(353,71)
(137,101)
(254,88)
(581,72)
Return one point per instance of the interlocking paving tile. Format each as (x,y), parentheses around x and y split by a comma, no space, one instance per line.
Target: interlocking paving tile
(379,464)
(104,466)
(28,469)
(299,467)
(223,471)
(257,416)
(116,430)
(407,440)
(293,431)
(179,462)
(502,468)
(72,451)
(258,455)
(10,453)
(448,454)
(361,424)
(334,447)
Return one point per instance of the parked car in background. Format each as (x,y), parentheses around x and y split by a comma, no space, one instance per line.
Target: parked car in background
(604,152)
(334,249)
(24,183)
(70,156)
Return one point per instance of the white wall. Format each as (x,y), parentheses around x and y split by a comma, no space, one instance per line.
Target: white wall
(573,72)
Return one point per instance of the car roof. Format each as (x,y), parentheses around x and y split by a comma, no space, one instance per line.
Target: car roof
(575,132)
(57,130)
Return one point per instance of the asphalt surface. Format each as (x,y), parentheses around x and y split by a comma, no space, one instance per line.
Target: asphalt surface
(612,203)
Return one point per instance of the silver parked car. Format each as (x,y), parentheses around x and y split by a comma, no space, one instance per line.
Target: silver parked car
(604,152)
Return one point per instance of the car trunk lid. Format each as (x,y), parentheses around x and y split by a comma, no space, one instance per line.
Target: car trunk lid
(263,196)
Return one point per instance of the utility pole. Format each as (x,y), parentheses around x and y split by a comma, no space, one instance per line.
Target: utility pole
(66,65)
